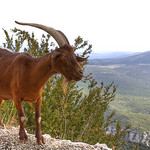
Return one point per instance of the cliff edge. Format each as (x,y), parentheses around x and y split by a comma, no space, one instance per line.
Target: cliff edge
(9,140)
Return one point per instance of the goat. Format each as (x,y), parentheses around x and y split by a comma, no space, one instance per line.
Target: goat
(22,76)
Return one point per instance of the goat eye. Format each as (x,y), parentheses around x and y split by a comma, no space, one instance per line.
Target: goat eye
(56,54)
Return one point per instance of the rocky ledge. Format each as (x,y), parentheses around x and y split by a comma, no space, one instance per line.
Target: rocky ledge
(9,140)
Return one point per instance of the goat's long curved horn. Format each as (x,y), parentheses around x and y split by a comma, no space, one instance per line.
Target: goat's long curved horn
(60,37)
(64,36)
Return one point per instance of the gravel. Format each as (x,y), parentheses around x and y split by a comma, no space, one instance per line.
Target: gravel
(9,140)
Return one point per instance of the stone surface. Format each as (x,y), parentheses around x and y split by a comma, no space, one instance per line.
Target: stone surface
(9,140)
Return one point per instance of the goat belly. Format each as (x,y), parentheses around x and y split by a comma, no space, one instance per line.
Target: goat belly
(5,95)
(29,100)
(6,98)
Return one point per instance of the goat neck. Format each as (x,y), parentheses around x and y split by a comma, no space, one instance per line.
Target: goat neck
(42,70)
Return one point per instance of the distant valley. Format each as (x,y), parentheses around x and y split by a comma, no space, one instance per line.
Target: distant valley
(132,75)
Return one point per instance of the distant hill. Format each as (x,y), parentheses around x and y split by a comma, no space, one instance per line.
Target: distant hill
(142,58)
(131,74)
(111,55)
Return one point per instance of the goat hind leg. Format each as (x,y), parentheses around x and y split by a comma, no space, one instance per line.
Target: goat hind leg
(38,135)
(1,124)
(22,134)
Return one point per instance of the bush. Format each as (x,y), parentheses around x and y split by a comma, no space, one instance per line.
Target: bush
(74,116)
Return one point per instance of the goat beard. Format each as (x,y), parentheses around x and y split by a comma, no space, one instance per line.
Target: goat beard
(64,85)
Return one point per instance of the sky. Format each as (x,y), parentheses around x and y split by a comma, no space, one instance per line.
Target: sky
(109,25)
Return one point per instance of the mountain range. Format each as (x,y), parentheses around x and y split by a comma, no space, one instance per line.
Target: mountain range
(131,74)
(105,55)
(125,58)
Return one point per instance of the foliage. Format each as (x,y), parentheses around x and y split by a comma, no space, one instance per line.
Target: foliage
(134,110)
(73,115)
(9,113)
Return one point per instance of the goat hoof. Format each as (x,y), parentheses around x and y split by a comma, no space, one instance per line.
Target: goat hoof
(2,125)
(41,141)
(23,136)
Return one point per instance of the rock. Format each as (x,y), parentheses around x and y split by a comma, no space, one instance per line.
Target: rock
(134,136)
(9,140)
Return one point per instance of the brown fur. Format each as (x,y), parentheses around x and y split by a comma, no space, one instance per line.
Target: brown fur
(22,78)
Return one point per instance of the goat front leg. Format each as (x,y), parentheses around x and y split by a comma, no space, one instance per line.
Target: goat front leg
(22,134)
(38,135)
(1,124)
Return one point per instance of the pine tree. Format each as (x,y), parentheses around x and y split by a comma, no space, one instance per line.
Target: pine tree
(75,115)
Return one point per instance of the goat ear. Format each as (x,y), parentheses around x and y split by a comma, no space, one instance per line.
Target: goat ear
(56,54)
(80,59)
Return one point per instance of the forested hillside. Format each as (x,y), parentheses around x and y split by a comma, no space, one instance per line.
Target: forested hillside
(131,74)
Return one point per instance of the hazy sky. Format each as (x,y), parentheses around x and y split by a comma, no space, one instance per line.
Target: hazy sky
(109,25)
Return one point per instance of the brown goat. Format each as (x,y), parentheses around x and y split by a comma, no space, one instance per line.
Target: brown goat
(22,76)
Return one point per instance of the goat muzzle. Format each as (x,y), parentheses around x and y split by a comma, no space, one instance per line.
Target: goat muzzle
(81,72)
(77,76)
